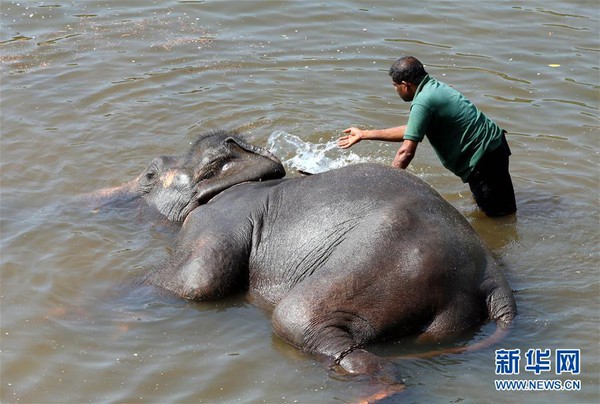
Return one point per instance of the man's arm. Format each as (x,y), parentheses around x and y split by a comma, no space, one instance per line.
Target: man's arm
(405,154)
(355,135)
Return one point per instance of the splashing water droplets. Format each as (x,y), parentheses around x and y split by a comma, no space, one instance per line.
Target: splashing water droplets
(300,155)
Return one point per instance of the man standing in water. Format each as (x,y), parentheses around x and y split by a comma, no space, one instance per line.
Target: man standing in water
(468,143)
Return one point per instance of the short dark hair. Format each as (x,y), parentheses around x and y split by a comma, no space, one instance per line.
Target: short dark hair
(408,69)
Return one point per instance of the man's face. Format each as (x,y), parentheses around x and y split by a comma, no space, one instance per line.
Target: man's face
(404,90)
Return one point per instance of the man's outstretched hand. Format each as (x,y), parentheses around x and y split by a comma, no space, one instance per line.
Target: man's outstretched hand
(353,136)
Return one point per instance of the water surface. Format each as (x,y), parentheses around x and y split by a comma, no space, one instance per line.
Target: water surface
(91,91)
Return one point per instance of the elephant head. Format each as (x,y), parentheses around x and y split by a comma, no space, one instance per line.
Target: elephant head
(175,185)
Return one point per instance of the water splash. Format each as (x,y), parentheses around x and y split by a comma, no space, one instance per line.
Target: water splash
(299,155)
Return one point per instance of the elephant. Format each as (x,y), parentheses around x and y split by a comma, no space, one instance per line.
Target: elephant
(339,259)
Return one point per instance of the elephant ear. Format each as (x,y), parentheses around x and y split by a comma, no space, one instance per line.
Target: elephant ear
(238,162)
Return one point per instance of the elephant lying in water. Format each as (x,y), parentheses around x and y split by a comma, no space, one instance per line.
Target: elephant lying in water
(343,258)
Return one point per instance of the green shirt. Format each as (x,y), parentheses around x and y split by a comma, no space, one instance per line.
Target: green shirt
(459,132)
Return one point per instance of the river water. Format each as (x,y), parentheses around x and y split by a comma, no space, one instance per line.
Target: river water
(92,90)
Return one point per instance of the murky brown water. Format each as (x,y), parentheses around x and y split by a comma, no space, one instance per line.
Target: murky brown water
(91,91)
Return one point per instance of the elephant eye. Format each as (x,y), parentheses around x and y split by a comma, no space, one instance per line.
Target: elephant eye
(148,180)
(152,171)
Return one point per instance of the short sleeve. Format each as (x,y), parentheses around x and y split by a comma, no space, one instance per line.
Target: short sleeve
(418,122)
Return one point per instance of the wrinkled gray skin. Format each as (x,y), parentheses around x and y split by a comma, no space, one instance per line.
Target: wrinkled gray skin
(342,258)
(176,185)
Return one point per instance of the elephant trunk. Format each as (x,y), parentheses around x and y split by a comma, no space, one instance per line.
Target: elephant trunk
(111,196)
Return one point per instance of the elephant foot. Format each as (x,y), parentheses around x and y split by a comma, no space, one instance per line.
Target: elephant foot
(382,376)
(360,361)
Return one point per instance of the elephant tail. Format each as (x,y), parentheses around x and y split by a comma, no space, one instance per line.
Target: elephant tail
(499,296)
(493,339)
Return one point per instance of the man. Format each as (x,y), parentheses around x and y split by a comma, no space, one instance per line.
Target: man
(468,143)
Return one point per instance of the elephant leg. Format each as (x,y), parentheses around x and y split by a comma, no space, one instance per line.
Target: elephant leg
(321,321)
(209,261)
(204,268)
(459,314)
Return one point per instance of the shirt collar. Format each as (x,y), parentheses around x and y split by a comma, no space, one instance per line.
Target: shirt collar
(425,80)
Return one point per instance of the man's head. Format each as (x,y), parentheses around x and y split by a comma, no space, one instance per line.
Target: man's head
(407,73)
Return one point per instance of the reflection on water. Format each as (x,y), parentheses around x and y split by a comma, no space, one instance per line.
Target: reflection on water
(92,91)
